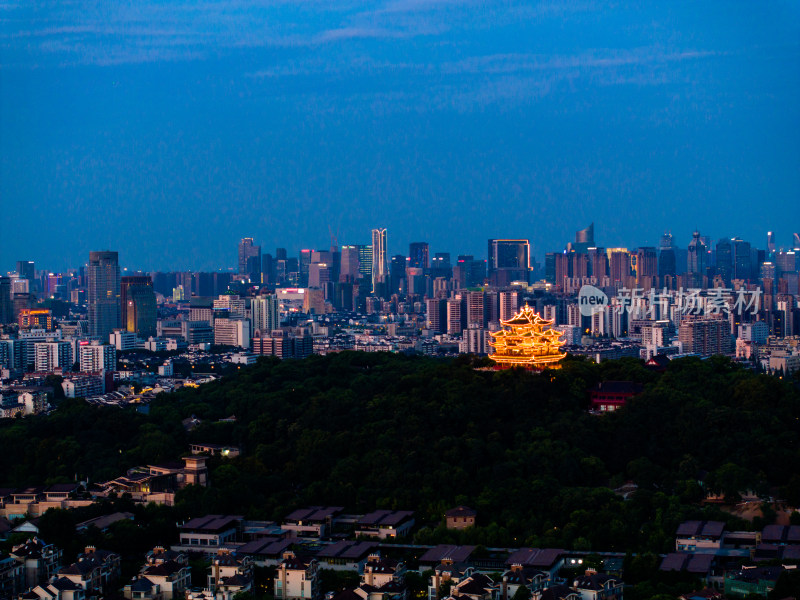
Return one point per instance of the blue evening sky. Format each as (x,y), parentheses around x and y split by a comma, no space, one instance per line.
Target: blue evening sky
(169,129)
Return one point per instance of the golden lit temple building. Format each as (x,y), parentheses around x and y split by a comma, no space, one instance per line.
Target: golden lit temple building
(527,340)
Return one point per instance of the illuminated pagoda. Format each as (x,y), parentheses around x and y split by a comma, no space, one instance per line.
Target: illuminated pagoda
(527,340)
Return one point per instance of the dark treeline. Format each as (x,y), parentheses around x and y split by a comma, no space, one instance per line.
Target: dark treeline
(379,430)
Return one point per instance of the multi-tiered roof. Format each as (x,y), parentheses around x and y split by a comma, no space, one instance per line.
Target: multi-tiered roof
(527,340)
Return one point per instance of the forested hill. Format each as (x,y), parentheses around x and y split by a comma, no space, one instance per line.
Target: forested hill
(381,430)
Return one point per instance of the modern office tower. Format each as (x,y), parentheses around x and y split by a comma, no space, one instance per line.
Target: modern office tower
(416,282)
(6,304)
(365,262)
(509,305)
(741,260)
(468,272)
(138,305)
(598,263)
(265,313)
(786,262)
(440,265)
(103,294)
(667,258)
(267,269)
(348,271)
(455,316)
(770,244)
(380,259)
(321,270)
(97,357)
(281,254)
(304,264)
(696,259)
(724,262)
(619,264)
(646,265)
(580,264)
(26,269)
(767,272)
(53,355)
(249,259)
(397,274)
(508,260)
(705,335)
(418,255)
(584,239)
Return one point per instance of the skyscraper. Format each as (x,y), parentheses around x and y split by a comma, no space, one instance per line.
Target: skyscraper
(26,269)
(104,294)
(508,260)
(380,259)
(667,263)
(584,239)
(418,255)
(696,259)
(138,305)
(6,305)
(265,313)
(250,259)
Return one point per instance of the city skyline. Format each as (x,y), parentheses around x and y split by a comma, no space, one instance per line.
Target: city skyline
(537,252)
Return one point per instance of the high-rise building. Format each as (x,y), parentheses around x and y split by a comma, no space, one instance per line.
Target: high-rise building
(509,305)
(619,264)
(365,262)
(697,259)
(584,239)
(53,355)
(440,265)
(667,258)
(138,305)
(380,260)
(770,243)
(103,294)
(304,265)
(437,314)
(6,303)
(418,255)
(646,265)
(265,313)
(26,269)
(97,357)
(250,259)
(742,260)
(348,271)
(397,273)
(455,316)
(475,305)
(508,260)
(706,335)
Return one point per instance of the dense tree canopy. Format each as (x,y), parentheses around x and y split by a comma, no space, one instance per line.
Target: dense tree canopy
(376,430)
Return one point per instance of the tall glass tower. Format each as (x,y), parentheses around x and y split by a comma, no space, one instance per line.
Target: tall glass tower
(103,294)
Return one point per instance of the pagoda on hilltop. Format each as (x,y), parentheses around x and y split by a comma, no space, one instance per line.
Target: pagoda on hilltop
(527,340)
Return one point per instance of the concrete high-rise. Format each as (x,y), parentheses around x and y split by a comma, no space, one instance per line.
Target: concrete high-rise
(380,260)
(138,305)
(265,313)
(103,294)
